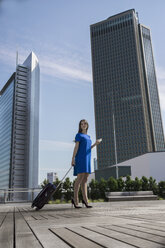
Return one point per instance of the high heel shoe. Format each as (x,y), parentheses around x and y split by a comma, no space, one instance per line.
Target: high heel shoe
(86,205)
(73,204)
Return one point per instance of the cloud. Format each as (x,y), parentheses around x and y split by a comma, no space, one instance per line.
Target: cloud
(62,70)
(161,86)
(8,55)
(52,145)
(55,62)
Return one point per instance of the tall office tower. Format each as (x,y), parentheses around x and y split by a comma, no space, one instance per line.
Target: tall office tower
(19,127)
(127,109)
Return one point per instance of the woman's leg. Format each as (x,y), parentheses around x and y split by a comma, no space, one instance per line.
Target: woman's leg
(84,187)
(77,186)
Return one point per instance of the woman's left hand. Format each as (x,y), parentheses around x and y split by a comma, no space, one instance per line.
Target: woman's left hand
(98,141)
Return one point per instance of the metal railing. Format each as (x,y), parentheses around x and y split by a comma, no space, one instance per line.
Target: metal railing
(18,194)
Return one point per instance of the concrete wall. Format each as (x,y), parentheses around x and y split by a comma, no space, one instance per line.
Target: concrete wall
(150,164)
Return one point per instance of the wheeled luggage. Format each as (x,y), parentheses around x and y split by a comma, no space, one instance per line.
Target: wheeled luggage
(44,196)
(46,193)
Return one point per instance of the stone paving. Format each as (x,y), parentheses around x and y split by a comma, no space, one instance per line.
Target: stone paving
(109,224)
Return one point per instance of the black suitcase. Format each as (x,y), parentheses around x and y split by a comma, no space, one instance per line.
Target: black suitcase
(44,196)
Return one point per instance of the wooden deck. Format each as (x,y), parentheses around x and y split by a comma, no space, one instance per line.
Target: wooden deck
(111,224)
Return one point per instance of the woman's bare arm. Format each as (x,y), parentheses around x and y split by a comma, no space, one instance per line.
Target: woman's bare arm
(93,145)
(74,153)
(96,143)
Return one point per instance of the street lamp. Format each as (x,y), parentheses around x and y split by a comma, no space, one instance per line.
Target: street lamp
(114,132)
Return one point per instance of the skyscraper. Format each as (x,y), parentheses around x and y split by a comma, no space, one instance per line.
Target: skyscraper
(19,127)
(127,109)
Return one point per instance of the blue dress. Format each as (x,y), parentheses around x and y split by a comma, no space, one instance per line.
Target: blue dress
(83,156)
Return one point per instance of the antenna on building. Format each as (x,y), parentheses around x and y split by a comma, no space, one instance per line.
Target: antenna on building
(16,58)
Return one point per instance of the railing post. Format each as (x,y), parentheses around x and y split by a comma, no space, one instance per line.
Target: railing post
(4,195)
(8,195)
(32,194)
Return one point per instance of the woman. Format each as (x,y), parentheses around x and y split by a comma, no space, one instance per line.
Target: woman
(81,161)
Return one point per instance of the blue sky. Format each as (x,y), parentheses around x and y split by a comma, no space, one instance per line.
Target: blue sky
(57,31)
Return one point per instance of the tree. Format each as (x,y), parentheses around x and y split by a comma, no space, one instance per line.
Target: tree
(58,193)
(67,186)
(137,184)
(128,183)
(161,187)
(102,187)
(112,184)
(153,185)
(44,183)
(120,183)
(94,189)
(145,183)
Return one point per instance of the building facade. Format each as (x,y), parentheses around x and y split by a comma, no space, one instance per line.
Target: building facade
(51,177)
(126,100)
(95,163)
(19,127)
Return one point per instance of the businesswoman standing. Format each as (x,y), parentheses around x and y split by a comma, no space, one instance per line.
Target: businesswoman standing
(81,161)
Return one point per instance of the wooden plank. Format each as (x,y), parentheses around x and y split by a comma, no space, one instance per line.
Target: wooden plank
(2,217)
(27,216)
(154,226)
(52,216)
(49,239)
(24,236)
(126,238)
(148,230)
(37,217)
(73,239)
(99,238)
(139,233)
(6,209)
(7,232)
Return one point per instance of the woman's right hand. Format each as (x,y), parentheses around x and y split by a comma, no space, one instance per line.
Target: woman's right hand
(73,162)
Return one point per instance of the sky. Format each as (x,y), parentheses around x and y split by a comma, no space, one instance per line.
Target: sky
(58,32)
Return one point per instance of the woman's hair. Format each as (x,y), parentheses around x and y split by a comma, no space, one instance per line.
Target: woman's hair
(80,130)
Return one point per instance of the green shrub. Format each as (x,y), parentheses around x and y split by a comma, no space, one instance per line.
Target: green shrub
(112,184)
(44,183)
(67,186)
(94,190)
(121,184)
(145,183)
(58,193)
(102,188)
(153,185)
(137,184)
(129,184)
(161,188)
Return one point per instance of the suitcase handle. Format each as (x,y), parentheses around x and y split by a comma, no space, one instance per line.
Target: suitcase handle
(63,178)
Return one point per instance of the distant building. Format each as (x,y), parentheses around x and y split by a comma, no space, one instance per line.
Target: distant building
(51,177)
(126,100)
(19,127)
(95,163)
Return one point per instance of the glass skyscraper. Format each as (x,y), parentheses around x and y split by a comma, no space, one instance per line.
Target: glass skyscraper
(19,128)
(6,116)
(127,109)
